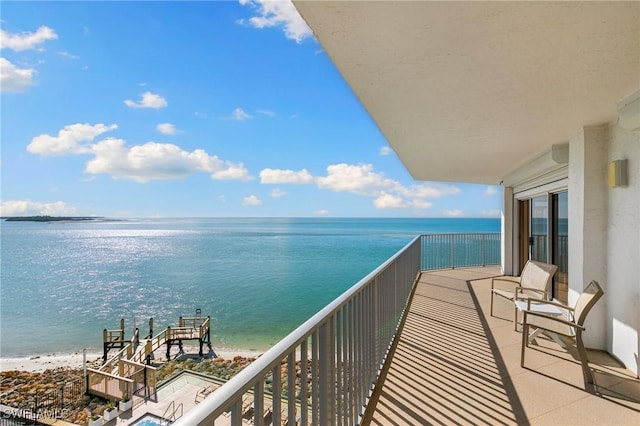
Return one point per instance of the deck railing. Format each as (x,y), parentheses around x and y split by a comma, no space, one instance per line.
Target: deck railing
(450,251)
(107,385)
(323,373)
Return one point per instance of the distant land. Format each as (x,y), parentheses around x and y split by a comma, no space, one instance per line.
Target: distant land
(49,218)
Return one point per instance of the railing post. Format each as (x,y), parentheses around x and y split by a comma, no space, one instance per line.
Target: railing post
(453,252)
(258,403)
(315,377)
(327,367)
(484,244)
(291,386)
(339,319)
(276,393)
(304,373)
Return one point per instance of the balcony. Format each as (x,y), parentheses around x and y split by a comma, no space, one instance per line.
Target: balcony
(407,346)
(455,364)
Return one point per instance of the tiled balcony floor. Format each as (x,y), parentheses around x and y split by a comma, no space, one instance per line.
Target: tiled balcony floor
(455,364)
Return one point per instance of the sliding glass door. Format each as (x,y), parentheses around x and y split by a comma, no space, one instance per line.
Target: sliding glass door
(539,228)
(544,236)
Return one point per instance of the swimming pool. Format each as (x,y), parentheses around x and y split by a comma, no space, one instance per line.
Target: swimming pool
(150,420)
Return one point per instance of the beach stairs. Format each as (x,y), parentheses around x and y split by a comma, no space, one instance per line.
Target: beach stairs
(128,372)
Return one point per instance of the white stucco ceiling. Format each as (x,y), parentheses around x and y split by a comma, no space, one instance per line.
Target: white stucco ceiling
(468,91)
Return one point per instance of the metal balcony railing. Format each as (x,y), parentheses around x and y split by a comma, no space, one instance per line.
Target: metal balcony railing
(323,373)
(450,251)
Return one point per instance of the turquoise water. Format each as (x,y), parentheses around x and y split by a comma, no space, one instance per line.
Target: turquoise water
(148,420)
(62,283)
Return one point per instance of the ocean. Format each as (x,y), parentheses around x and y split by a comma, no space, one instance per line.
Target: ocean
(62,283)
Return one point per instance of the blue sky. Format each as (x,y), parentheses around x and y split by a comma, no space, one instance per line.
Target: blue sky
(191,109)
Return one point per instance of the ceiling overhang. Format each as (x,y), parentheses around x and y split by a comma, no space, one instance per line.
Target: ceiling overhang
(469,91)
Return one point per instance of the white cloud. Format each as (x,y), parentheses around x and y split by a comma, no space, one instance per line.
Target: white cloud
(277,193)
(25,41)
(278,13)
(359,179)
(14,79)
(387,193)
(386,150)
(276,176)
(321,212)
(238,114)
(389,201)
(251,200)
(429,190)
(148,100)
(232,172)
(491,190)
(266,112)
(69,140)
(34,208)
(157,161)
(492,213)
(166,128)
(454,213)
(362,179)
(68,55)
(140,163)
(420,204)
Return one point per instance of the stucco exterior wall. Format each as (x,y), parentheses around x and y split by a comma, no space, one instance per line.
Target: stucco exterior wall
(604,238)
(623,252)
(604,230)
(588,224)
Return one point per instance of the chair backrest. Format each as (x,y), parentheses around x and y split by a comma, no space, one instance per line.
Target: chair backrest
(538,275)
(585,302)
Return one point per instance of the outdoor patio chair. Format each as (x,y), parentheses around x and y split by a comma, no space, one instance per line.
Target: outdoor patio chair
(533,283)
(203,393)
(571,327)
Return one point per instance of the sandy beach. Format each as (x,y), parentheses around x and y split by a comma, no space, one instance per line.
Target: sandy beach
(24,379)
(39,363)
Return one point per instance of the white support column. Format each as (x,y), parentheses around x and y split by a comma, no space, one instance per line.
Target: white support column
(623,235)
(507,231)
(588,223)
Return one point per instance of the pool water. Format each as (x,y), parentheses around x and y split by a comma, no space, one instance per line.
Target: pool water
(150,420)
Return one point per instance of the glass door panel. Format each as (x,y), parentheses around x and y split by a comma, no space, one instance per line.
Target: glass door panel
(560,248)
(539,228)
(523,233)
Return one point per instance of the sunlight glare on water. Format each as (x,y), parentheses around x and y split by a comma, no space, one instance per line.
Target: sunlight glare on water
(257,278)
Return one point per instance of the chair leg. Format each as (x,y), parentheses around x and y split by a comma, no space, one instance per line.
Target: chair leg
(525,339)
(515,316)
(586,371)
(492,293)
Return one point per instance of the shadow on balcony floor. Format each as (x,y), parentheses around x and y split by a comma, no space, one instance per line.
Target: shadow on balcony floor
(455,364)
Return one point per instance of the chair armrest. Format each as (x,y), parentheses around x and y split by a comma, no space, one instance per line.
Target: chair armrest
(535,290)
(549,302)
(527,312)
(506,278)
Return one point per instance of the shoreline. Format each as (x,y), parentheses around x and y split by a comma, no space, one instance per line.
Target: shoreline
(38,363)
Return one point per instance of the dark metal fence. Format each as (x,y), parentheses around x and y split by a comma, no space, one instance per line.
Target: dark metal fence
(54,404)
